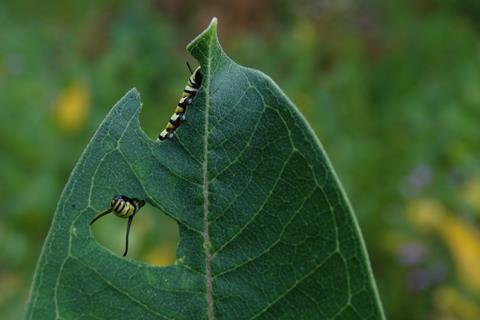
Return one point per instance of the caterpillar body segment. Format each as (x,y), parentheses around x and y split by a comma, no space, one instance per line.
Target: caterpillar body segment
(191,89)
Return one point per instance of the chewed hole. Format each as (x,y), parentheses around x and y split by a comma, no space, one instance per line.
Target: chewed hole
(153,236)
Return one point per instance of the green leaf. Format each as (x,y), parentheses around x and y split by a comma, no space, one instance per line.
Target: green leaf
(266,231)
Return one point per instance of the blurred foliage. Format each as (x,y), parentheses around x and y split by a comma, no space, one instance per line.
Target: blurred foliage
(391,88)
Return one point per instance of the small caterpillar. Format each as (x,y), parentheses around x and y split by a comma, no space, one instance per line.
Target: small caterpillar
(191,89)
(122,207)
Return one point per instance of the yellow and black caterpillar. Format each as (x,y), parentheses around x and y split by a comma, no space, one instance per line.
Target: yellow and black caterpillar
(191,89)
(122,207)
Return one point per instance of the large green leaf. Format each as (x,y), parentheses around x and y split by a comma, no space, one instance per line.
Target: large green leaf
(266,231)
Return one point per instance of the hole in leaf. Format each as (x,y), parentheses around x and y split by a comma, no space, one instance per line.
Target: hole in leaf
(153,236)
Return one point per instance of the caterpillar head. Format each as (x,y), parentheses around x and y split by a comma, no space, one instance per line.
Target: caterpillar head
(138,203)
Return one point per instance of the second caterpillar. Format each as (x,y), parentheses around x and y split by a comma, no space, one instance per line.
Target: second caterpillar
(123,207)
(191,89)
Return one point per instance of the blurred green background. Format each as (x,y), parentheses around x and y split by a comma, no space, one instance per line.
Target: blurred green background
(390,87)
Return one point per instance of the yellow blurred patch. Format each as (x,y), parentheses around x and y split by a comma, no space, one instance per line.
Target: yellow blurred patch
(470,193)
(425,214)
(453,305)
(72,106)
(161,256)
(463,241)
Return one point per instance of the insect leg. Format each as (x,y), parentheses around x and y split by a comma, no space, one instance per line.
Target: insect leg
(189,68)
(128,231)
(101,214)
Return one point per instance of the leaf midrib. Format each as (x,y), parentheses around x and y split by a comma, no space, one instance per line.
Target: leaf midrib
(206,235)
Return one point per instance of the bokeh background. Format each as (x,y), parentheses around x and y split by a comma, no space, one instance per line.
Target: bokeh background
(390,87)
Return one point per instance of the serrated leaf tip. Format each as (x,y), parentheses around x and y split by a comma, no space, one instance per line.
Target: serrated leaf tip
(213,23)
(134,91)
(206,35)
